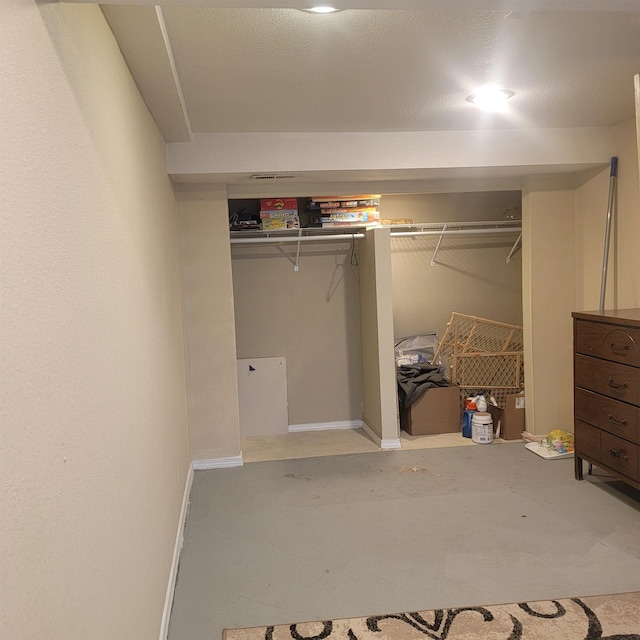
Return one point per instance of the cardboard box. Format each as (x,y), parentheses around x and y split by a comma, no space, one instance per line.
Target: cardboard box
(285,219)
(344,204)
(510,416)
(438,411)
(279,213)
(277,204)
(357,215)
(274,223)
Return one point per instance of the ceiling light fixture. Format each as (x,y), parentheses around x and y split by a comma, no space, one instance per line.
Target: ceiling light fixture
(322,9)
(490,97)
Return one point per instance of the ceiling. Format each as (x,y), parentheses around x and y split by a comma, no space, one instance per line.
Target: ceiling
(209,69)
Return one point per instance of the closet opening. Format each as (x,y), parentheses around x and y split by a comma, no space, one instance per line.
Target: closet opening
(469,275)
(299,323)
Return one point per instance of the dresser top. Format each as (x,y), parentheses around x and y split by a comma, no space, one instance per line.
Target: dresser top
(626,317)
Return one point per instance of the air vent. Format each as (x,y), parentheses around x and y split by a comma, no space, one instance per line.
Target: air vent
(273,176)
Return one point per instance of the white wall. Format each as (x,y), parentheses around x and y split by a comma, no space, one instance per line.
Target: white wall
(94,417)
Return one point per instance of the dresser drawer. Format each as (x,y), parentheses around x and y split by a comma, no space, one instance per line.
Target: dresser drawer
(616,417)
(613,452)
(618,344)
(587,440)
(608,378)
(620,455)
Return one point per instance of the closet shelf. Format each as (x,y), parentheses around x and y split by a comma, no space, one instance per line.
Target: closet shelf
(484,227)
(441,229)
(306,234)
(316,234)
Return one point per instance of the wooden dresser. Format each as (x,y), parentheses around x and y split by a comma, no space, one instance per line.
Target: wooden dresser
(607,392)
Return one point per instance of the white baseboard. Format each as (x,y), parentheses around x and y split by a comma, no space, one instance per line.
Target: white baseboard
(218,463)
(196,465)
(325,426)
(386,443)
(177,549)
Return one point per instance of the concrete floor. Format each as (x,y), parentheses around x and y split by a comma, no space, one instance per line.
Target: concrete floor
(286,541)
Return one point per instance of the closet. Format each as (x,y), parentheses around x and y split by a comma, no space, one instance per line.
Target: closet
(312,299)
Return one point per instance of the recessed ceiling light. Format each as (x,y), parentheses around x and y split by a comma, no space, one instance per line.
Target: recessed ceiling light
(490,97)
(321,9)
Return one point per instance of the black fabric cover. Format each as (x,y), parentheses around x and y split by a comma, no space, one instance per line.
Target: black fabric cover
(415,379)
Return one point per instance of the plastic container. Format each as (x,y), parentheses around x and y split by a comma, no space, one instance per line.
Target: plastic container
(481,403)
(467,416)
(482,428)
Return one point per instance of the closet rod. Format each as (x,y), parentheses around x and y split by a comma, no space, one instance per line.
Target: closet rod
(455,232)
(338,237)
(420,229)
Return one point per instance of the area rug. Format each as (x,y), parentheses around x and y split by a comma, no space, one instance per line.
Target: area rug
(611,617)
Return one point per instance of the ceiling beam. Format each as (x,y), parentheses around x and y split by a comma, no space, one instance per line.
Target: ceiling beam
(151,65)
(502,151)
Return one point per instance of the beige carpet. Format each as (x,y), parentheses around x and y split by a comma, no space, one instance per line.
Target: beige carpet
(612,617)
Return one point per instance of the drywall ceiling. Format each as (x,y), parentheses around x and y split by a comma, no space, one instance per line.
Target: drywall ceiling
(209,72)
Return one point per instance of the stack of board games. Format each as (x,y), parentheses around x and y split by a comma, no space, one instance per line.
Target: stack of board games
(345,211)
(279,213)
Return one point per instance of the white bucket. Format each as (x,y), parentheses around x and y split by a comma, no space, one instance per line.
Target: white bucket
(482,427)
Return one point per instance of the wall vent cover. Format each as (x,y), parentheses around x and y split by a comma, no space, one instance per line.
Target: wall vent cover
(273,176)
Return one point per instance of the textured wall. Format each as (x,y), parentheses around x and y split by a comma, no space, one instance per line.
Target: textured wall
(623,277)
(562,269)
(627,256)
(94,417)
(376,326)
(548,291)
(209,325)
(471,275)
(311,317)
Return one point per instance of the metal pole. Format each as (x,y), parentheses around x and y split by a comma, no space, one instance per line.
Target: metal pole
(607,235)
(513,249)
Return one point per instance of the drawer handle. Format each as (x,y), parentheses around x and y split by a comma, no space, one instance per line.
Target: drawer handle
(619,347)
(614,385)
(614,453)
(618,423)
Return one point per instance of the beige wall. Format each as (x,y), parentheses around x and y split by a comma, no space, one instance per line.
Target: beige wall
(95,447)
(471,275)
(378,366)
(311,317)
(562,269)
(548,263)
(636,90)
(623,279)
(94,418)
(209,325)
